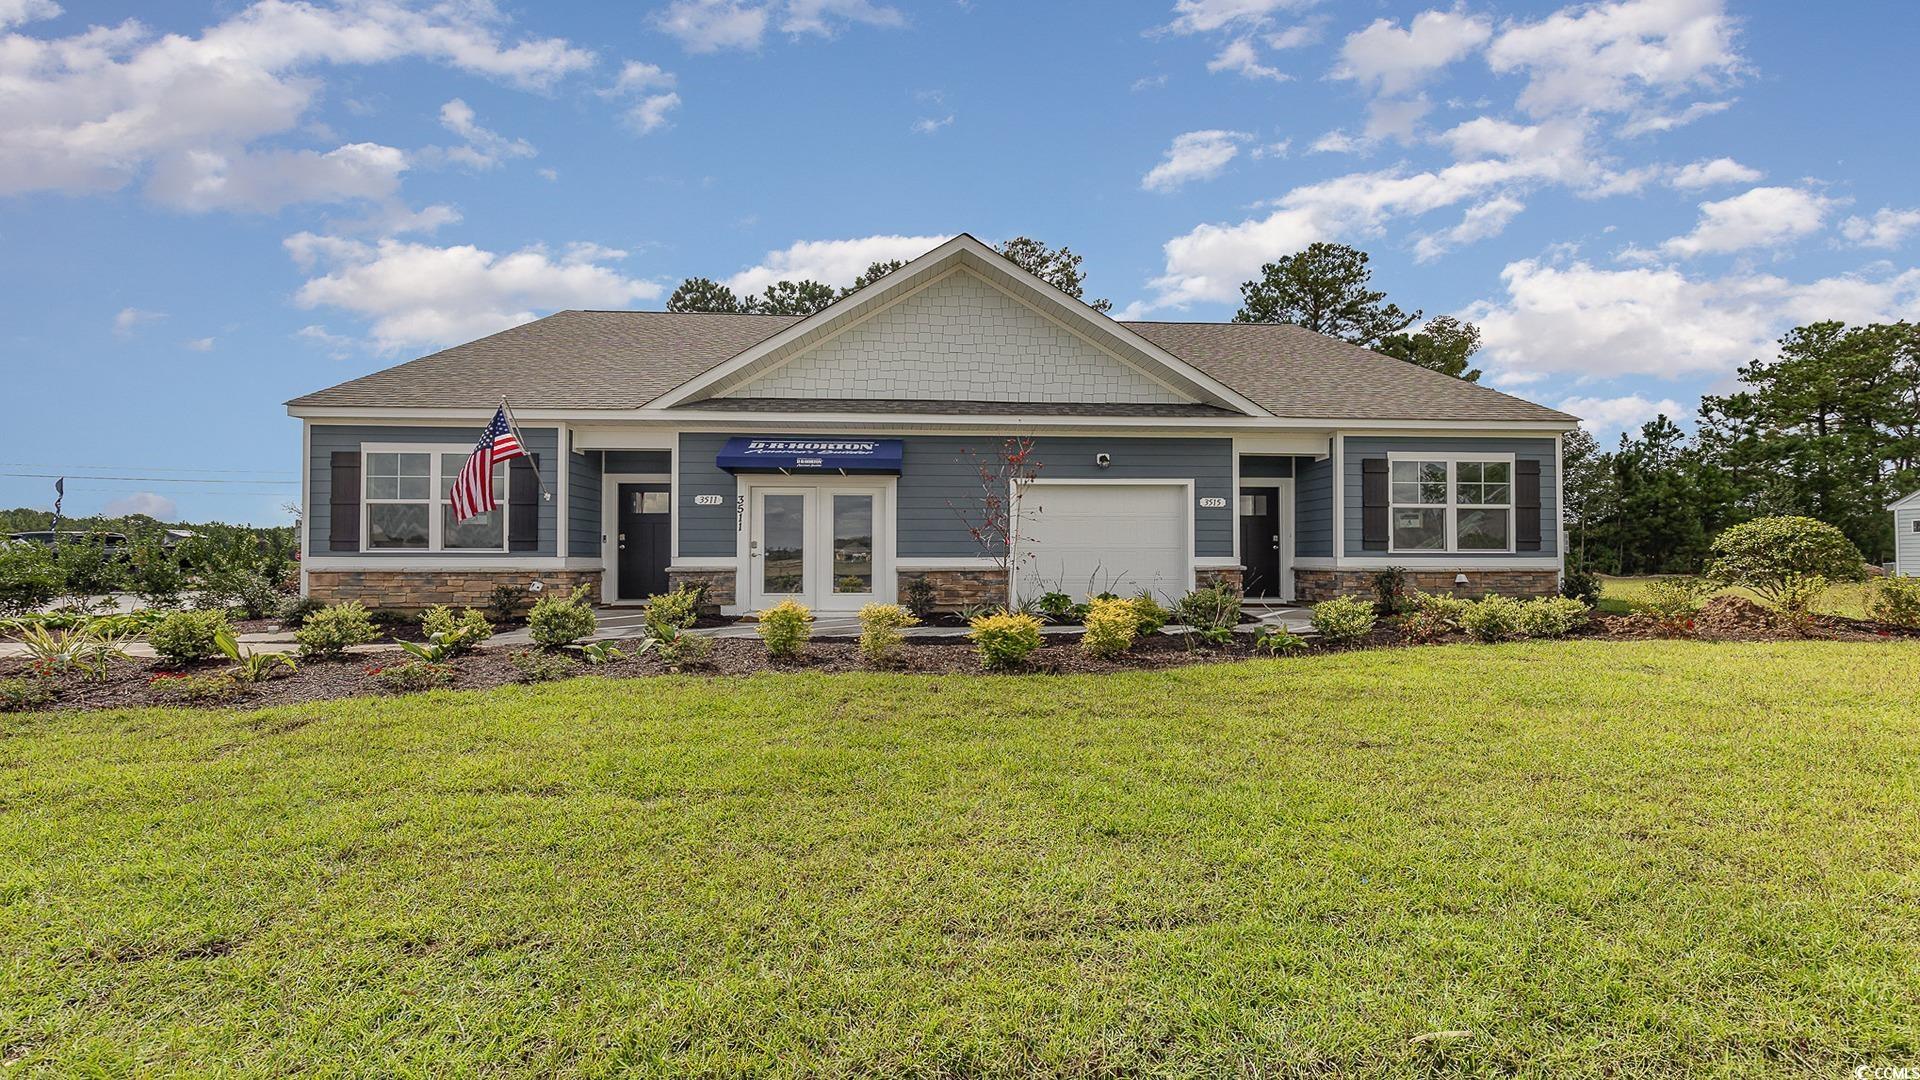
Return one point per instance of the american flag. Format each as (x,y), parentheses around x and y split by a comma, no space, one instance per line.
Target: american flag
(473,492)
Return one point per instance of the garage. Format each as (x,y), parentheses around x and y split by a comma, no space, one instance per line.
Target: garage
(1086,537)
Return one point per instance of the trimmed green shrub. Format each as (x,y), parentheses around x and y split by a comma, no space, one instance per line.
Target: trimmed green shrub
(1796,600)
(1343,619)
(1673,602)
(29,578)
(1148,615)
(1278,641)
(1494,618)
(505,603)
(1582,585)
(1774,557)
(682,649)
(1552,616)
(1210,613)
(413,676)
(1896,601)
(458,634)
(153,572)
(186,636)
(880,626)
(1390,590)
(1005,640)
(1111,626)
(331,631)
(557,621)
(297,609)
(917,594)
(676,610)
(785,627)
(1057,607)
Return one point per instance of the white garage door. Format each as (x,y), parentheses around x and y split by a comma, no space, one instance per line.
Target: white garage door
(1082,539)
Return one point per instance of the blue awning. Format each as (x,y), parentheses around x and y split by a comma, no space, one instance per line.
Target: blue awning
(811,455)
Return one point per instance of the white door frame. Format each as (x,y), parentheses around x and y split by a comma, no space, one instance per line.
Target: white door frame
(610,527)
(818,593)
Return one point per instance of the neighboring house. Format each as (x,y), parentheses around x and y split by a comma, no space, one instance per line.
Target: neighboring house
(1906,535)
(832,458)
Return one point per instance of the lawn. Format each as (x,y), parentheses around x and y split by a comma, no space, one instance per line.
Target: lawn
(1618,595)
(1597,857)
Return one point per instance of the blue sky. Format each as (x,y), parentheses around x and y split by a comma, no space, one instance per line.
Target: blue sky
(206,209)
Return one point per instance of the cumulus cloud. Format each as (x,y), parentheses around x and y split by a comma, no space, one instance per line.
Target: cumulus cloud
(653,87)
(1761,217)
(1613,56)
(1647,123)
(15,12)
(417,295)
(98,110)
(1481,221)
(204,344)
(1240,56)
(155,506)
(1887,228)
(704,26)
(1389,60)
(834,262)
(1609,415)
(130,319)
(483,149)
(1194,155)
(1207,16)
(1703,174)
(927,125)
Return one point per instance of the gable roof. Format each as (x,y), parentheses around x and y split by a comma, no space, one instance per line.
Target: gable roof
(1912,500)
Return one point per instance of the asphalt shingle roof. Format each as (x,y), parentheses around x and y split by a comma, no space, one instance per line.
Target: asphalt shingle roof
(623,359)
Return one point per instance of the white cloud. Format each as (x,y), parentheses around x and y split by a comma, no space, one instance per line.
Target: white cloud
(1761,217)
(704,26)
(1610,56)
(15,12)
(1604,416)
(654,86)
(1886,229)
(417,295)
(204,344)
(155,506)
(649,114)
(1647,123)
(483,149)
(1240,55)
(129,319)
(824,17)
(637,76)
(1578,320)
(1481,221)
(1395,118)
(1206,16)
(1704,173)
(1272,150)
(927,125)
(98,110)
(1295,37)
(1389,60)
(834,262)
(1149,82)
(1336,142)
(1194,155)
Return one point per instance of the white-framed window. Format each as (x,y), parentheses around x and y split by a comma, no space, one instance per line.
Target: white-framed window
(1441,503)
(404,504)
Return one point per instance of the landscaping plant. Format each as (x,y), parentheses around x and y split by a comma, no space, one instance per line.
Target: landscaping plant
(1796,600)
(88,567)
(331,631)
(785,627)
(1582,585)
(412,676)
(1896,601)
(1673,602)
(557,621)
(536,665)
(1495,618)
(154,573)
(461,634)
(675,610)
(917,595)
(1058,607)
(25,692)
(1552,616)
(1343,619)
(1210,613)
(296,610)
(682,649)
(195,689)
(1278,641)
(1111,626)
(1005,640)
(1390,590)
(29,578)
(505,603)
(251,666)
(1149,615)
(601,653)
(185,636)
(880,636)
(1776,557)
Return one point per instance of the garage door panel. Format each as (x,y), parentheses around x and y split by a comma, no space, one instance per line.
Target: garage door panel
(1088,538)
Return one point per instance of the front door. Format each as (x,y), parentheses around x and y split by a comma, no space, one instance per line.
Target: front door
(644,540)
(1260,540)
(817,544)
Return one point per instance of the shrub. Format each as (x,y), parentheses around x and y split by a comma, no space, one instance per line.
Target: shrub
(154,573)
(918,596)
(245,587)
(1005,640)
(331,631)
(1111,626)
(1774,555)
(682,649)
(1148,615)
(297,609)
(1495,618)
(880,626)
(25,692)
(676,610)
(1582,585)
(29,578)
(601,653)
(534,665)
(412,676)
(1056,606)
(785,627)
(557,621)
(88,567)
(1896,601)
(505,603)
(459,634)
(185,636)
(1432,616)
(1215,607)
(218,686)
(1390,590)
(1673,602)
(1796,600)
(1278,641)
(1552,617)
(1343,619)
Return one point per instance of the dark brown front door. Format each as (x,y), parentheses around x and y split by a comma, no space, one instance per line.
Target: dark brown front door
(643,540)
(1260,540)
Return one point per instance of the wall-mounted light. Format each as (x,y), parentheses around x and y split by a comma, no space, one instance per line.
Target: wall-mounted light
(536,585)
(1103,460)
(1460,579)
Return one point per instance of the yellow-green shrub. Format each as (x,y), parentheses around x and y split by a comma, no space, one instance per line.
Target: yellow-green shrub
(880,626)
(1111,625)
(1896,600)
(330,632)
(1005,640)
(785,627)
(1343,619)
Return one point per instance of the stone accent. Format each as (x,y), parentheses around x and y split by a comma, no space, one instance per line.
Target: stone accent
(719,583)
(1311,586)
(413,590)
(956,589)
(1231,578)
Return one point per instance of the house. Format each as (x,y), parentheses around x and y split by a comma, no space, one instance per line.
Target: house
(836,457)
(1906,535)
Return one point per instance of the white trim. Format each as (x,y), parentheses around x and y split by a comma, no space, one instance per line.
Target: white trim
(1452,507)
(1303,445)
(1339,496)
(306,500)
(1314,562)
(962,563)
(1013,561)
(562,442)
(1437,562)
(704,564)
(1559,504)
(1910,501)
(446,561)
(1216,562)
(818,594)
(621,437)
(610,525)
(435,500)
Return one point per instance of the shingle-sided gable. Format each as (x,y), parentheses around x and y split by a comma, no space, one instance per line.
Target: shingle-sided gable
(959,339)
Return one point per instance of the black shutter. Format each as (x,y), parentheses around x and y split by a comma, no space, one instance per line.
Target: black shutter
(523,504)
(1373,504)
(1526,505)
(343,522)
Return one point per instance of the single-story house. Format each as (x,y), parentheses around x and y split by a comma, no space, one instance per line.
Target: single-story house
(836,457)
(1906,535)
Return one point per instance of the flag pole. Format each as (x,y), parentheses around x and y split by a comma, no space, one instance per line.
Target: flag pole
(514,426)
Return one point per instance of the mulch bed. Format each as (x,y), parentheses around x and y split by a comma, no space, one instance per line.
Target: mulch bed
(127,685)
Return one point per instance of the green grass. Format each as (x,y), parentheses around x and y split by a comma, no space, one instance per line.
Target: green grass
(1619,594)
(1599,857)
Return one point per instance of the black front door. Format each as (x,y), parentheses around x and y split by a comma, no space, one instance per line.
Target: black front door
(1260,540)
(643,540)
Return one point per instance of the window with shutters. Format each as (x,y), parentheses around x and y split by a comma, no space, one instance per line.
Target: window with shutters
(405,496)
(1441,503)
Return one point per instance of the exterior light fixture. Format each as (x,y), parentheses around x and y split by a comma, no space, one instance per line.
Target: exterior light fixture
(1103,460)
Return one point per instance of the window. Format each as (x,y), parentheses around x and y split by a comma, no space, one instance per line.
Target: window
(1440,504)
(407,505)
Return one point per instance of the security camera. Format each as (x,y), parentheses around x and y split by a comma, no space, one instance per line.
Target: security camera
(1103,460)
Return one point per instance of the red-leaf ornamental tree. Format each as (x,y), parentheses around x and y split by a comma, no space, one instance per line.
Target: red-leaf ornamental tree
(994,520)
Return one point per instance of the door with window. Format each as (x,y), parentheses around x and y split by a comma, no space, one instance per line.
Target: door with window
(818,544)
(1260,540)
(644,541)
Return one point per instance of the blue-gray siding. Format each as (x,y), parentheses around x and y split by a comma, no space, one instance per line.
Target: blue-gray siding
(583,505)
(939,474)
(328,438)
(1359,447)
(1313,509)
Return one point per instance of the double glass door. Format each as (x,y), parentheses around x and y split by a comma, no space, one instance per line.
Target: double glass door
(818,544)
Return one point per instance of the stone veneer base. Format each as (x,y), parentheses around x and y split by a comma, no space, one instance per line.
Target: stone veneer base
(1312,586)
(412,590)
